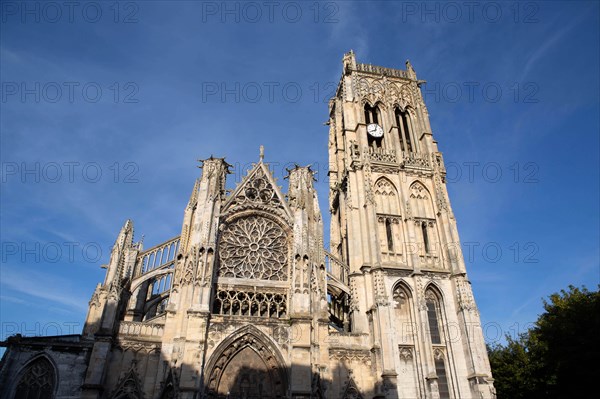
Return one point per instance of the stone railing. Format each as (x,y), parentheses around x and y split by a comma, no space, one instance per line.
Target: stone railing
(416,160)
(381,70)
(381,155)
(157,256)
(141,329)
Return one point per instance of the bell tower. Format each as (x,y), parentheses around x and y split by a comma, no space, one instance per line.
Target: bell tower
(392,224)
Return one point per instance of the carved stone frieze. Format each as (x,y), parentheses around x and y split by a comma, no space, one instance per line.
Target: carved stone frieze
(436,276)
(383,91)
(379,168)
(394,272)
(350,355)
(138,346)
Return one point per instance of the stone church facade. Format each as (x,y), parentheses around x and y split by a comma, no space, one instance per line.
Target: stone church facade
(247,303)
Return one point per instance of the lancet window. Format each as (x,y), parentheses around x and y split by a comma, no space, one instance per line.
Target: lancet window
(372,116)
(404,132)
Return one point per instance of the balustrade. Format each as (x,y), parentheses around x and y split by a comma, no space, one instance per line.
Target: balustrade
(158,256)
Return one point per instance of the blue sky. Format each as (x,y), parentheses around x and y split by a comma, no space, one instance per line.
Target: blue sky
(107,106)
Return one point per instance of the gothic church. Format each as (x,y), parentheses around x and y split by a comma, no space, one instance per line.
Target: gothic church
(247,303)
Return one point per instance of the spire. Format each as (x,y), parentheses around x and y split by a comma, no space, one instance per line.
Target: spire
(194,196)
(261,155)
(349,62)
(410,70)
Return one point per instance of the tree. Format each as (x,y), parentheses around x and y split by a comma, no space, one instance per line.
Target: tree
(559,357)
(511,368)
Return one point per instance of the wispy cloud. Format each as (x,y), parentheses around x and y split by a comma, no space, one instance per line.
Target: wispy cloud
(547,45)
(43,286)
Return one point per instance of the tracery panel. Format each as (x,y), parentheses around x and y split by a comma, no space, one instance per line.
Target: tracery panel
(250,303)
(38,381)
(254,247)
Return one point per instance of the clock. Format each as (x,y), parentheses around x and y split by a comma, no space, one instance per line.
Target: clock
(375,130)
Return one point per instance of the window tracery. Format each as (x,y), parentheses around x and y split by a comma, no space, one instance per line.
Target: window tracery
(250,303)
(38,381)
(386,197)
(433,317)
(128,387)
(253,247)
(352,391)
(440,371)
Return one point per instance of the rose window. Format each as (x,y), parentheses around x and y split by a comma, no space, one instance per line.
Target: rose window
(253,247)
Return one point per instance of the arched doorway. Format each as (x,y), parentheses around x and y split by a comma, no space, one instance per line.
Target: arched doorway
(247,365)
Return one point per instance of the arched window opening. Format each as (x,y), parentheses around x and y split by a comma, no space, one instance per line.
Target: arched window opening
(440,371)
(386,197)
(403,318)
(389,222)
(420,201)
(404,133)
(372,116)
(389,234)
(425,237)
(433,318)
(38,381)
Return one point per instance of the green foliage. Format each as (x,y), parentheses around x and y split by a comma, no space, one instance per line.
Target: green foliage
(559,357)
(510,368)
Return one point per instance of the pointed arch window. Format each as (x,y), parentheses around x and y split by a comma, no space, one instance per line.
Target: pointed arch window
(38,381)
(388,219)
(425,237)
(389,234)
(404,132)
(433,317)
(403,315)
(372,116)
(421,201)
(440,371)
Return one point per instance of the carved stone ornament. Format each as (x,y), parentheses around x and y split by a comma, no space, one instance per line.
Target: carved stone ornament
(406,353)
(381,297)
(253,247)
(138,346)
(257,192)
(400,297)
(438,354)
(383,91)
(129,386)
(351,355)
(351,391)
(465,296)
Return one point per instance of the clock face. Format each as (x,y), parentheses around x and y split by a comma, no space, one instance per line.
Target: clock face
(375,130)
